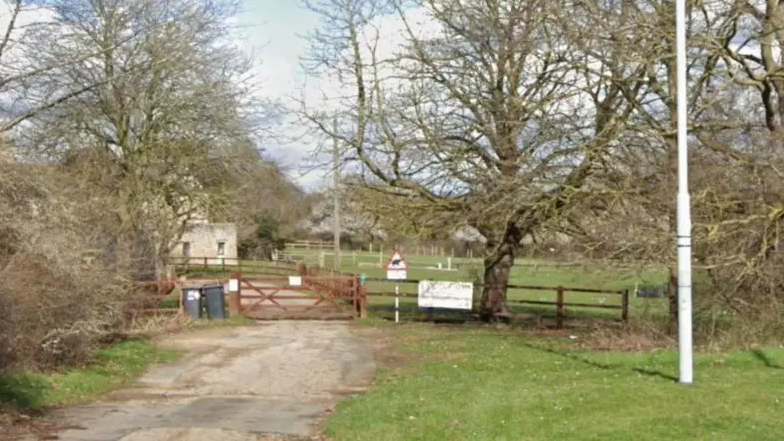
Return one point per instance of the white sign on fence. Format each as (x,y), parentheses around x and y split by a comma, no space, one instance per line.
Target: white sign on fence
(397,268)
(295,280)
(448,295)
(234,285)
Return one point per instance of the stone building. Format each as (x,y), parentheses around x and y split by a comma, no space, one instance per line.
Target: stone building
(214,241)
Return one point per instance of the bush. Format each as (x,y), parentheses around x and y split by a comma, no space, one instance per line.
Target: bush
(55,305)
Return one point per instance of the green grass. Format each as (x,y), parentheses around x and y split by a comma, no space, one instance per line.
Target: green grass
(249,267)
(528,272)
(115,366)
(484,385)
(543,276)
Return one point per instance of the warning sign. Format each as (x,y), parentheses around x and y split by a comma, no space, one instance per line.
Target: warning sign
(397,268)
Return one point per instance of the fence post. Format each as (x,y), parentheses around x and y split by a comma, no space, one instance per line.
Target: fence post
(625,306)
(363,302)
(205,263)
(561,312)
(355,295)
(235,293)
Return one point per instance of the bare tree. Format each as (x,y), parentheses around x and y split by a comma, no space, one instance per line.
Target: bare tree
(485,120)
(635,40)
(170,116)
(734,148)
(22,73)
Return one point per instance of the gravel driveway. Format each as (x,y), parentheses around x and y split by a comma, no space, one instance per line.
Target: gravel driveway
(274,380)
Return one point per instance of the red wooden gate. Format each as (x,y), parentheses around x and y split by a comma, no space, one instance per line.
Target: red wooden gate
(298,297)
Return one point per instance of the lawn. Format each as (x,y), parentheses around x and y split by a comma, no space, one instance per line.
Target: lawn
(114,366)
(481,384)
(527,272)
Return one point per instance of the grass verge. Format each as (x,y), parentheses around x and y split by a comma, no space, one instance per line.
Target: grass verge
(479,384)
(115,366)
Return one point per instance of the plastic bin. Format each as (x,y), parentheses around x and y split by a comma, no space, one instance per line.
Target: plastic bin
(191,301)
(215,299)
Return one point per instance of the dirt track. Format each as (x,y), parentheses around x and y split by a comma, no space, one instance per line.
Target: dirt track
(270,381)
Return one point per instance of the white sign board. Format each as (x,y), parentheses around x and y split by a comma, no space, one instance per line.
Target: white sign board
(295,280)
(397,268)
(448,295)
(234,285)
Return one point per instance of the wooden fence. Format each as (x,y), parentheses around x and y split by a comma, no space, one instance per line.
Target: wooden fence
(563,298)
(224,265)
(155,297)
(561,302)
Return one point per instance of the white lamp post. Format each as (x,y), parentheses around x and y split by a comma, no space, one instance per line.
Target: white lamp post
(684,207)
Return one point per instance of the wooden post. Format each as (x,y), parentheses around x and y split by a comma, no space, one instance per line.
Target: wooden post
(205,263)
(235,297)
(363,302)
(355,294)
(625,306)
(561,312)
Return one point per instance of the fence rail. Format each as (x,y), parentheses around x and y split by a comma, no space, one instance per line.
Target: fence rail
(560,303)
(228,264)
(154,297)
(283,268)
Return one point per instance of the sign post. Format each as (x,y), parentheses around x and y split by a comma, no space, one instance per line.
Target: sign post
(397,269)
(397,303)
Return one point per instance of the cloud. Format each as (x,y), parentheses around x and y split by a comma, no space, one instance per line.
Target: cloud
(11,63)
(275,31)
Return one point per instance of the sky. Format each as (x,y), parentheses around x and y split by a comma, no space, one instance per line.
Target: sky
(273,30)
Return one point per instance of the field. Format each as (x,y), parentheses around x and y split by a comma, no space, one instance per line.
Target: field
(525,273)
(483,384)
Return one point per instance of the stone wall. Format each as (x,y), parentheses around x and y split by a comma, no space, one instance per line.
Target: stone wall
(204,239)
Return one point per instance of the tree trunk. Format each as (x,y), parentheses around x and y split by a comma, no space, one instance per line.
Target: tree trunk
(498,266)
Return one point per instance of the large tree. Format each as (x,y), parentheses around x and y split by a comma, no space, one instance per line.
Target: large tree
(172,115)
(23,73)
(485,119)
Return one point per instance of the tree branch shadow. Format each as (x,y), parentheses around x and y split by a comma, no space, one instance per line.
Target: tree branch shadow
(763,357)
(571,356)
(654,373)
(604,366)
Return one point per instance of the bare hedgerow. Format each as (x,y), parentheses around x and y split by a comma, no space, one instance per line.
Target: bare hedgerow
(56,303)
